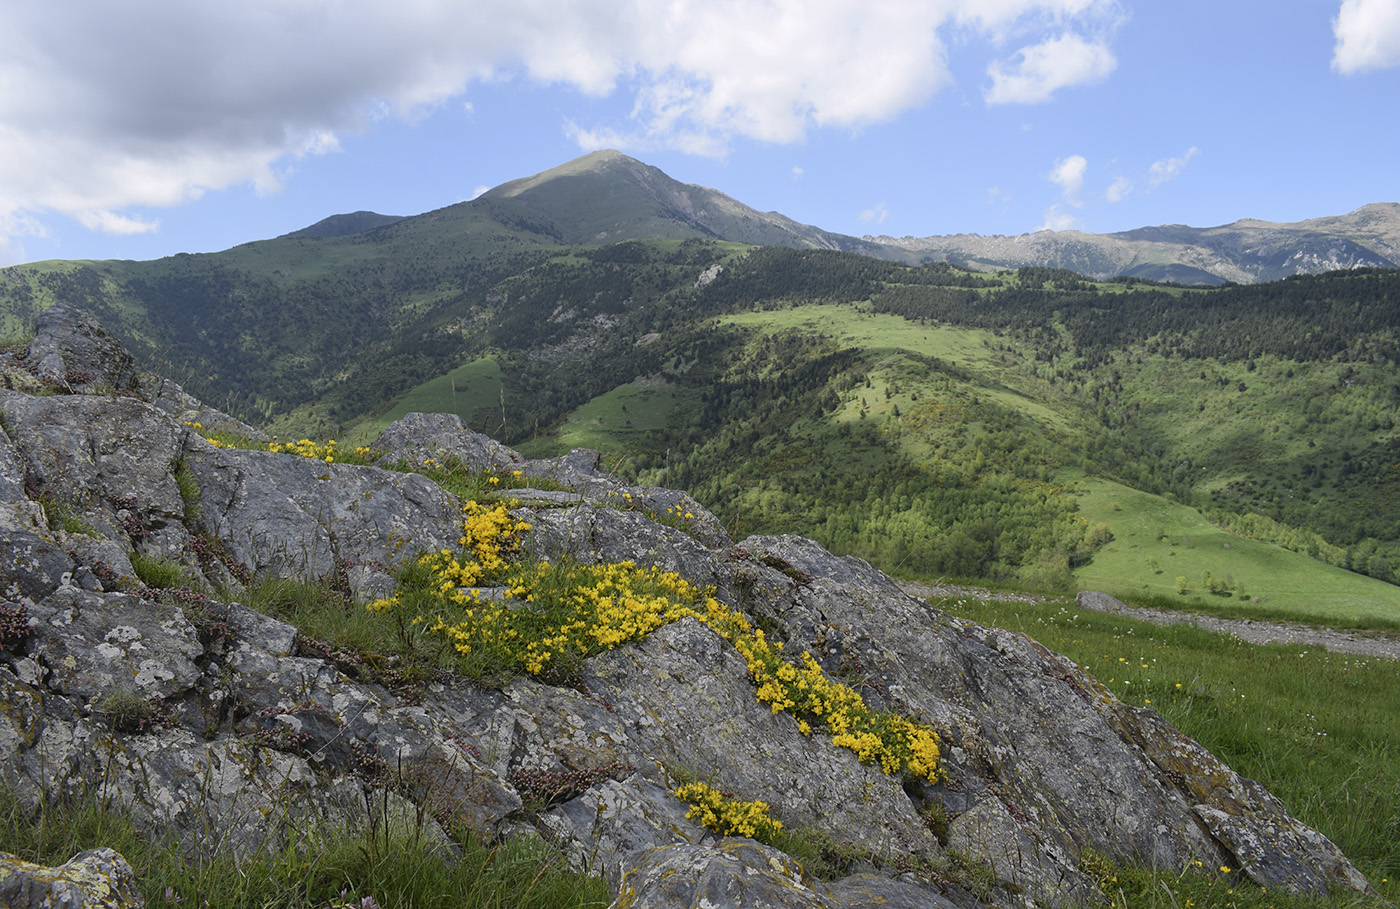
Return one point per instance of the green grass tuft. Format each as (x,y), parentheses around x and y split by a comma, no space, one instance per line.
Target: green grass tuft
(378,867)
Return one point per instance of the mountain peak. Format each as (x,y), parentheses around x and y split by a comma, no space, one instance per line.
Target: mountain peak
(343,225)
(592,163)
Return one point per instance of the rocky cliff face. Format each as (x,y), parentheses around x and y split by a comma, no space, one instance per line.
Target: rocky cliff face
(251,731)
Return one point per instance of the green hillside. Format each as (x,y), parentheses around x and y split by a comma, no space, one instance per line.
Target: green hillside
(934,420)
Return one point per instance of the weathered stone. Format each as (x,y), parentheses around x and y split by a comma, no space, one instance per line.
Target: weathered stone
(733,873)
(612,821)
(591,535)
(871,891)
(17,510)
(1047,761)
(95,879)
(101,644)
(30,566)
(108,461)
(420,437)
(74,352)
(580,471)
(286,515)
(185,409)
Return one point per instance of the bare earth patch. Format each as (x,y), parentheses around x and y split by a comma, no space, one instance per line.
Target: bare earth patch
(1373,644)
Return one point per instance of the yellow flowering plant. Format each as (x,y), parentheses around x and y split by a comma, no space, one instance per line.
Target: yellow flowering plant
(546,618)
(305,448)
(726,816)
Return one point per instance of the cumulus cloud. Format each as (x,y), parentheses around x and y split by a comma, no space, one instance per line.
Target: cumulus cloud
(876,215)
(1068,174)
(1119,189)
(1057,218)
(797,172)
(1169,168)
(1368,35)
(1038,71)
(104,112)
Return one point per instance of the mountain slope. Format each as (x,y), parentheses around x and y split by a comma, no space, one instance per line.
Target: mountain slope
(343,225)
(606,196)
(1244,251)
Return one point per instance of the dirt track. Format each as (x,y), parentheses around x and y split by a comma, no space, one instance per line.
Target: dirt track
(1362,644)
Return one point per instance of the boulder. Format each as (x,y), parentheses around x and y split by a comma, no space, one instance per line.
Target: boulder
(95,879)
(422,437)
(73,352)
(287,515)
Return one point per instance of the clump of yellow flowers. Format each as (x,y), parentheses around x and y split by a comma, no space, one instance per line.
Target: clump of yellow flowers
(306,448)
(547,618)
(728,817)
(805,691)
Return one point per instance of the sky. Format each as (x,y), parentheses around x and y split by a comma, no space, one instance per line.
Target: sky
(142,128)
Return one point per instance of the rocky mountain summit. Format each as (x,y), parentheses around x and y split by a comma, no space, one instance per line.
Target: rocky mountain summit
(247,731)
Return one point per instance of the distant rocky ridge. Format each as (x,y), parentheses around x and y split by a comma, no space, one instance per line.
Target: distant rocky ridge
(607,197)
(1244,252)
(264,732)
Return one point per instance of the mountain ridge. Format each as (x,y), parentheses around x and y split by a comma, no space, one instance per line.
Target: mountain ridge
(1244,251)
(607,197)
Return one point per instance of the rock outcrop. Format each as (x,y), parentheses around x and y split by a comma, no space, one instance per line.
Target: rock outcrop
(231,730)
(95,879)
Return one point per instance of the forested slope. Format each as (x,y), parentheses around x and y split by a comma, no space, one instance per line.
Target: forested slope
(922,416)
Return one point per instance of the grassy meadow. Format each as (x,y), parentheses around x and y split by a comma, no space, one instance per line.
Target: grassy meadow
(472,391)
(1156,541)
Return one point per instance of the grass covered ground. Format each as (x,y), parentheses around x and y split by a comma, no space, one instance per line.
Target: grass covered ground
(472,391)
(1319,730)
(620,416)
(1155,542)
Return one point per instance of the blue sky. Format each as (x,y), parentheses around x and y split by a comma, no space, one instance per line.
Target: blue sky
(150,127)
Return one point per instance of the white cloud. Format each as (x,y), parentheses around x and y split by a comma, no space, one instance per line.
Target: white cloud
(153,104)
(13,227)
(1168,168)
(1368,35)
(112,223)
(1058,219)
(478,190)
(1119,189)
(1041,69)
(876,215)
(1068,174)
(797,173)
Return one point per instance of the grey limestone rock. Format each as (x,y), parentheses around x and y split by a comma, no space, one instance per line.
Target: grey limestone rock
(591,535)
(96,644)
(17,510)
(293,516)
(610,822)
(95,879)
(733,873)
(419,437)
(74,352)
(186,409)
(108,461)
(1044,761)
(31,567)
